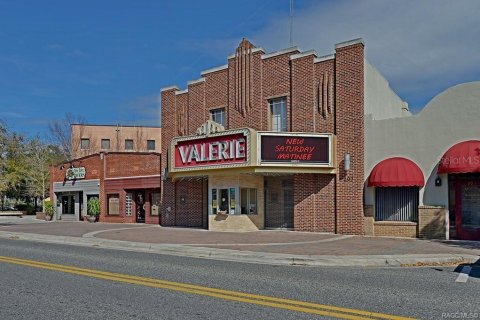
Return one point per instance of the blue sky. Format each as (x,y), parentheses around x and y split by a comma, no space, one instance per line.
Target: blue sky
(107,60)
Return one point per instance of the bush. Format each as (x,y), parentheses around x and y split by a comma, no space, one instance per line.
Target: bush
(93,206)
(48,208)
(27,208)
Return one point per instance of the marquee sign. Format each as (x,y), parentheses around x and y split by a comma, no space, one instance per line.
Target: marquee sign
(307,149)
(213,151)
(75,173)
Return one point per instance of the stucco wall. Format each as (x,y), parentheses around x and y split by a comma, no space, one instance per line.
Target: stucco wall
(380,100)
(449,118)
(96,133)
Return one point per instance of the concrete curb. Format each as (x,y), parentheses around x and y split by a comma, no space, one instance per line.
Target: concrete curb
(249,256)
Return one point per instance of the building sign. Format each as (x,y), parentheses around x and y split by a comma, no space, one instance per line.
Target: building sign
(295,148)
(75,173)
(217,150)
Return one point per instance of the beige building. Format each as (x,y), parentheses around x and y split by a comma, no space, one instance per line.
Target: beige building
(90,139)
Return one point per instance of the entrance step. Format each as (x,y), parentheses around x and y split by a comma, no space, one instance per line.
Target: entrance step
(68,217)
(234,222)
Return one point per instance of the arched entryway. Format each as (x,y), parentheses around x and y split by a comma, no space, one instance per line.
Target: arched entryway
(462,165)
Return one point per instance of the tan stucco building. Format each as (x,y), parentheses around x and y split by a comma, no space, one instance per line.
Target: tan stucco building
(90,139)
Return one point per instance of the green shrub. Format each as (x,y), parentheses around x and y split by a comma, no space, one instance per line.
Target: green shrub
(93,206)
(48,208)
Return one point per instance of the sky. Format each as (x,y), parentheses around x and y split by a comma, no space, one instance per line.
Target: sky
(106,61)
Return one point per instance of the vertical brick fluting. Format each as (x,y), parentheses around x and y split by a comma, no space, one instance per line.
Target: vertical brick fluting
(349,110)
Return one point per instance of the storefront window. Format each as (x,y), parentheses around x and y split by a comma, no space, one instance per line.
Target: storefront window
(214,201)
(248,199)
(224,200)
(471,206)
(154,203)
(232,200)
(128,203)
(113,204)
(396,204)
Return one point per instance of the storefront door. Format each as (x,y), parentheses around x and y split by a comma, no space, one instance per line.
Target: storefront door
(68,204)
(467,207)
(140,206)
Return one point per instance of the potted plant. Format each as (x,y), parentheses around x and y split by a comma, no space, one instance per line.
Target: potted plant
(93,209)
(48,209)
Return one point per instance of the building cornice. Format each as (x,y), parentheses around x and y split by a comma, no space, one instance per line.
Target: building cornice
(303,54)
(169,88)
(349,43)
(220,68)
(280,52)
(324,58)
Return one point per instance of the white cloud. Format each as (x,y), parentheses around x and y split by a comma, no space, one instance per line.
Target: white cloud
(422,47)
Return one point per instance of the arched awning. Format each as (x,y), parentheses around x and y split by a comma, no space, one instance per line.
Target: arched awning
(464,157)
(396,172)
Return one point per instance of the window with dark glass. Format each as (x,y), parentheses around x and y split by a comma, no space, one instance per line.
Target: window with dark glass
(105,144)
(278,114)
(85,143)
(218,115)
(150,144)
(128,144)
(248,199)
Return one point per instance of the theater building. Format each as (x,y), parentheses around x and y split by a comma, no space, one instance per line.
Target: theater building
(298,141)
(127,185)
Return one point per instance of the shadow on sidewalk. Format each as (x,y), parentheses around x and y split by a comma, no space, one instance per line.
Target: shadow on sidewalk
(461,244)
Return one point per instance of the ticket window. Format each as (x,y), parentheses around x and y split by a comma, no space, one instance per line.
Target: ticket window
(223,201)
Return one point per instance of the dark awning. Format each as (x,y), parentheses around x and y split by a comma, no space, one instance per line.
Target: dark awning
(396,172)
(464,157)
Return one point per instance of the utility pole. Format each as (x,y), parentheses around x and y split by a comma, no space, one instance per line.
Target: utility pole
(117,130)
(291,23)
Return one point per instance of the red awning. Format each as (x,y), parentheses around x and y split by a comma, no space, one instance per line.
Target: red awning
(396,172)
(464,157)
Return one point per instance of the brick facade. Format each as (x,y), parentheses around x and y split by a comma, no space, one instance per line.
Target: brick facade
(324,95)
(118,173)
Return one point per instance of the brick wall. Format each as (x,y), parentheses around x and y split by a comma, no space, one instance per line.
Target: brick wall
(349,129)
(395,229)
(432,222)
(314,205)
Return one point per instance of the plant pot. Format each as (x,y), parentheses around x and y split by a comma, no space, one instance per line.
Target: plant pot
(48,217)
(92,218)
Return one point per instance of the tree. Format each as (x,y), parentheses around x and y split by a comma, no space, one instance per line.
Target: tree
(3,160)
(40,156)
(60,132)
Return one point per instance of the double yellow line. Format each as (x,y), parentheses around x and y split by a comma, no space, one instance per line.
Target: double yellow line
(287,304)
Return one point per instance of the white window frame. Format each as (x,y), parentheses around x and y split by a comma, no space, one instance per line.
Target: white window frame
(218,112)
(277,108)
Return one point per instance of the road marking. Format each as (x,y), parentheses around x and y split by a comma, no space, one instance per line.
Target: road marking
(463,276)
(287,304)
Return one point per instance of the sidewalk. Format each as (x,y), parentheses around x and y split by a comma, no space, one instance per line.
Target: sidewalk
(266,246)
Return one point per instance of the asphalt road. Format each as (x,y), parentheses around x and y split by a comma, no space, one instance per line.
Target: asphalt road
(33,292)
